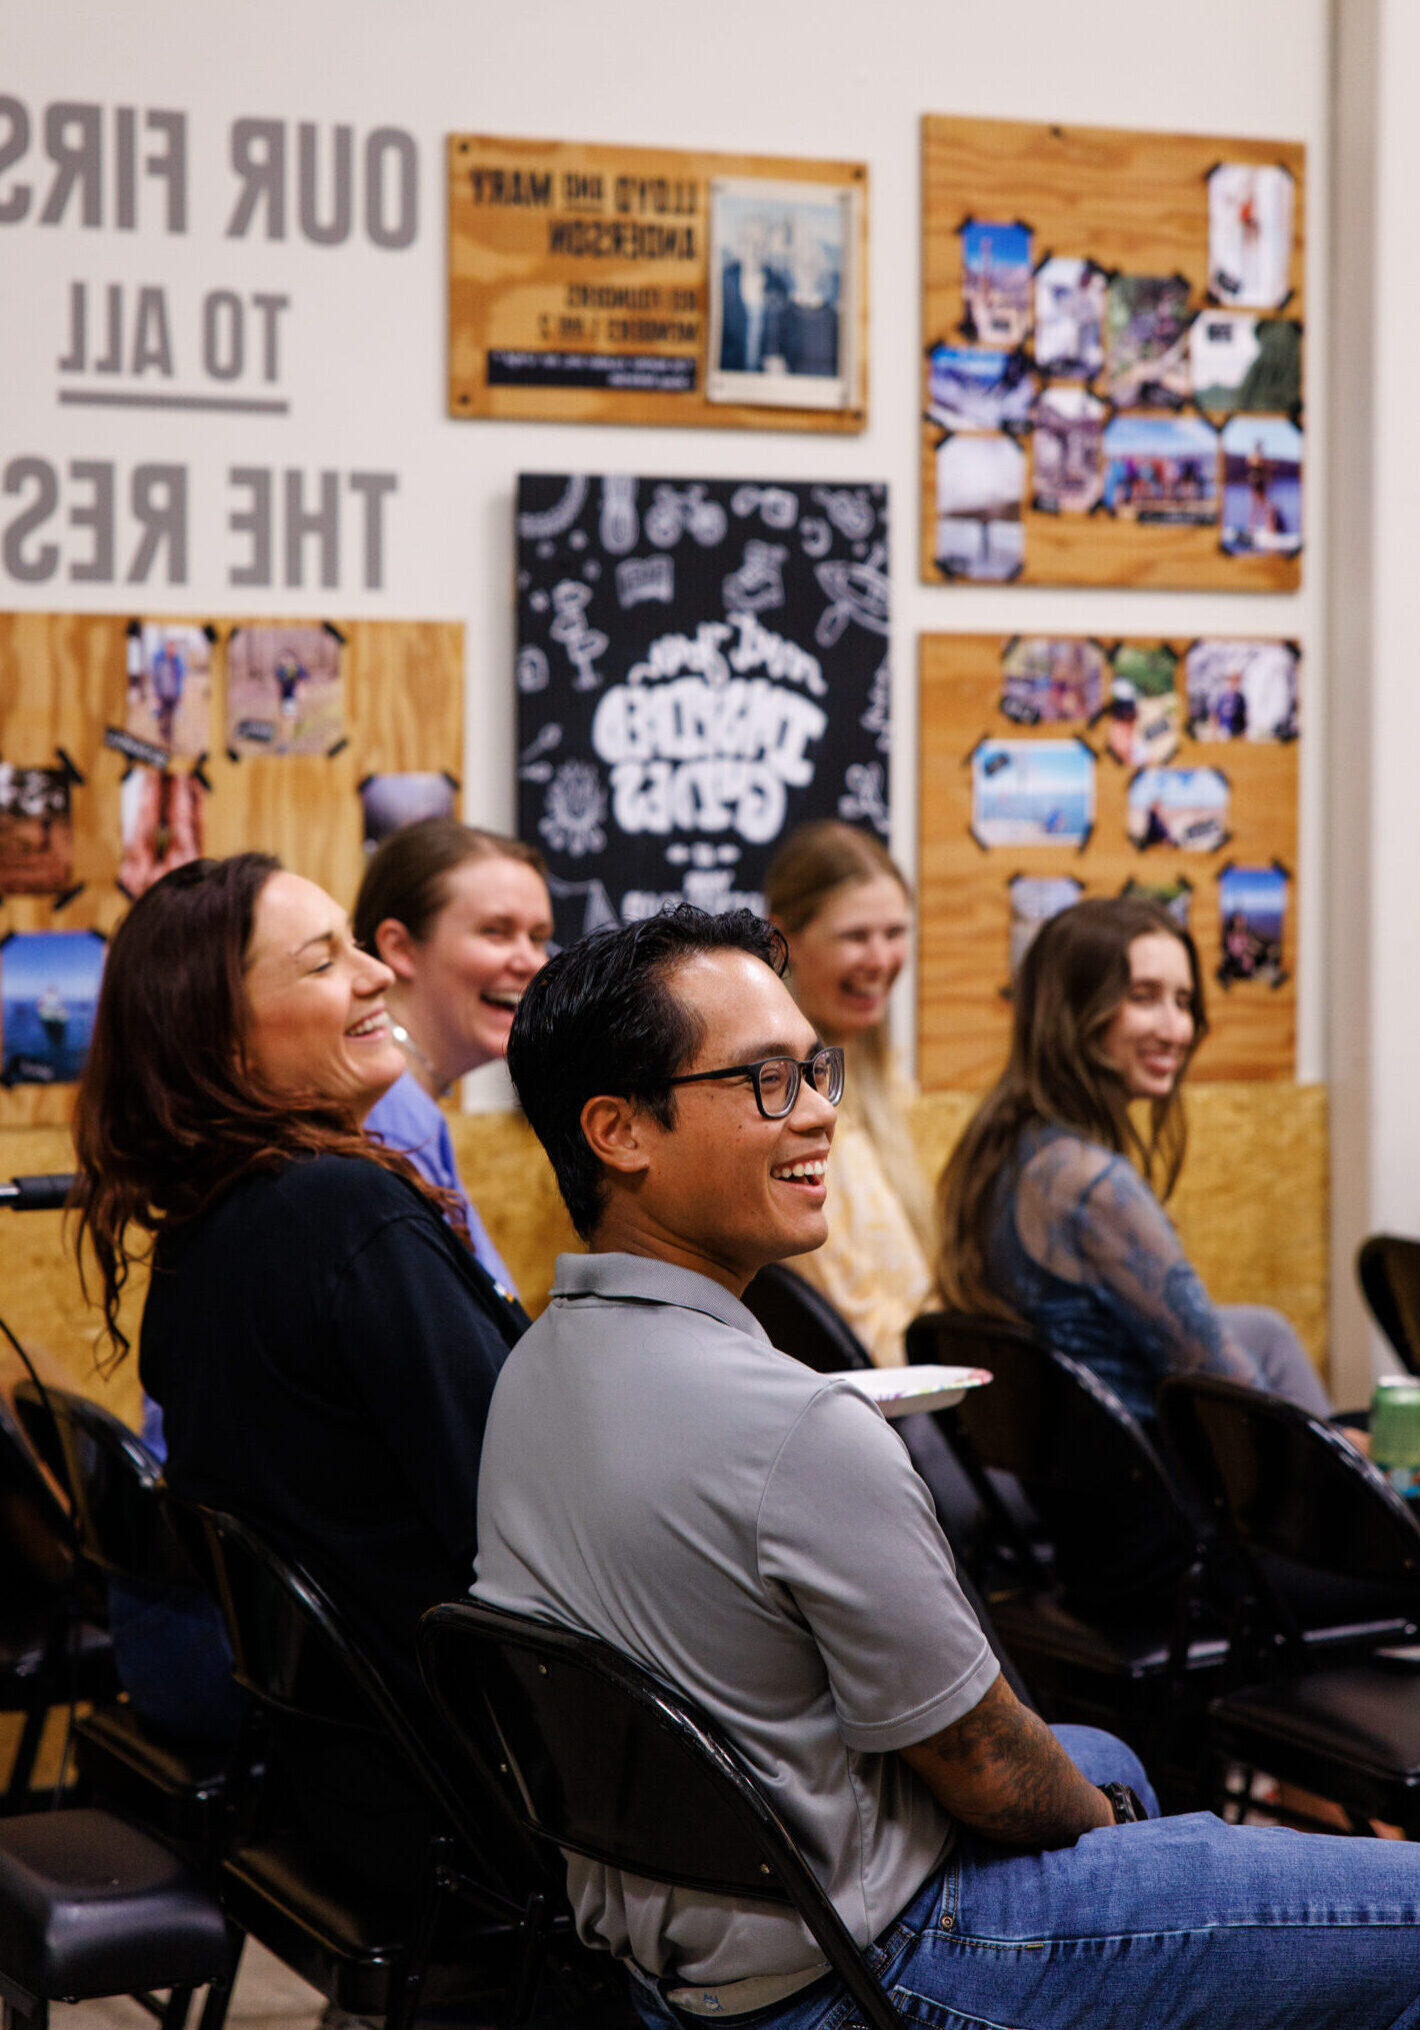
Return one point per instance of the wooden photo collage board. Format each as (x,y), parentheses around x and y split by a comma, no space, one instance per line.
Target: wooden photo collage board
(1059,767)
(1112,372)
(131,744)
(603,284)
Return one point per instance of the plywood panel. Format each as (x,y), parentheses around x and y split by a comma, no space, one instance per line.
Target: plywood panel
(963,973)
(1251,1206)
(509,291)
(511,1182)
(1129,201)
(63,682)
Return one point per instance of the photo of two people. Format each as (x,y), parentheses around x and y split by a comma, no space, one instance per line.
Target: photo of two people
(782,303)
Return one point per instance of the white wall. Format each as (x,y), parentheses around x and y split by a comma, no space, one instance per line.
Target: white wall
(1373,815)
(363,339)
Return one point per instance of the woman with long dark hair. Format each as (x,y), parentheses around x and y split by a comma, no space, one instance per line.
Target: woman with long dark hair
(322,1342)
(1050,1202)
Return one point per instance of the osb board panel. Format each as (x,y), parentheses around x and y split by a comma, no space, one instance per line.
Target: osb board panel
(963,1013)
(510,1181)
(509,290)
(499,1158)
(1129,201)
(1251,1207)
(40,1296)
(63,681)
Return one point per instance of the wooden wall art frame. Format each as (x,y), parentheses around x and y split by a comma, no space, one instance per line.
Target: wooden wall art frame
(1130,202)
(964,906)
(63,683)
(518,297)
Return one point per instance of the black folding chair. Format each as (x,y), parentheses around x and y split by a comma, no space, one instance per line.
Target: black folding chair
(173,1782)
(367,1945)
(1388,1271)
(802,1322)
(91,1906)
(601,1758)
(52,1651)
(1095,1568)
(1334,1555)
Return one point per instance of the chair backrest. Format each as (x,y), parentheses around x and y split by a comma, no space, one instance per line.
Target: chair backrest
(113,1480)
(1295,1495)
(1388,1270)
(801,1321)
(36,1535)
(294,1653)
(602,1758)
(1115,1512)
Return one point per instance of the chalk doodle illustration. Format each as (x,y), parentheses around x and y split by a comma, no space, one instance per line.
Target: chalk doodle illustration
(531,670)
(618,528)
(759,582)
(849,509)
(877,720)
(677,511)
(855,592)
(865,796)
(778,507)
(720,677)
(558,518)
(582,643)
(572,820)
(533,764)
(639,578)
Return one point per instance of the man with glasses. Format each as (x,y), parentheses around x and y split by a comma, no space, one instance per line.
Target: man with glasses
(654,1472)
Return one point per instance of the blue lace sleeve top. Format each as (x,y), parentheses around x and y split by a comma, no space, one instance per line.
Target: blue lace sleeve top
(1081,1249)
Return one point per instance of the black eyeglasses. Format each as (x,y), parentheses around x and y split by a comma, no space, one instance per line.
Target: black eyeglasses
(777,1079)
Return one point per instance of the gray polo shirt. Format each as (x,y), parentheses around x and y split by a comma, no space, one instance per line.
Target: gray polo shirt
(655,1472)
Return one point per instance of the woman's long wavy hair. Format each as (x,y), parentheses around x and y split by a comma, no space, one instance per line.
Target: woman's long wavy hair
(170,1110)
(813,864)
(1071,982)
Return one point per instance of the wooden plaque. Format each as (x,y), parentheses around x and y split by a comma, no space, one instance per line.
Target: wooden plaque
(1132,205)
(965,895)
(581,287)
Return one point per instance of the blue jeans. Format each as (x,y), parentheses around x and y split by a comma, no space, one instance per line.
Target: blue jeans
(1176,1924)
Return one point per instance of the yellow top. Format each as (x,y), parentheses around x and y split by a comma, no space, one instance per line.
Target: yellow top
(871,1268)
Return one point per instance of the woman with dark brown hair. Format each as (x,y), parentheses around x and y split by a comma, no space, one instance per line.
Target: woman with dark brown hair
(1049,1205)
(322,1344)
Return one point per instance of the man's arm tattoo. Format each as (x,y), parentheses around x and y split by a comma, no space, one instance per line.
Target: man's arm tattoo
(1001,1771)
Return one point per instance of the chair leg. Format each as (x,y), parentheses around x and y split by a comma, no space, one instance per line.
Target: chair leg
(404,2001)
(219,1992)
(37,2019)
(534,1952)
(174,2015)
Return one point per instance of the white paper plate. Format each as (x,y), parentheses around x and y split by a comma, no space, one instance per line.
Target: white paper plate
(903,1391)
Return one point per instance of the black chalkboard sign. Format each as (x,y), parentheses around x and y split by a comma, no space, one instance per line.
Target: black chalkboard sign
(702,665)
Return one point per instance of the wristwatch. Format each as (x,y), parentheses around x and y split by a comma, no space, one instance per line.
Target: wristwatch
(1124,1803)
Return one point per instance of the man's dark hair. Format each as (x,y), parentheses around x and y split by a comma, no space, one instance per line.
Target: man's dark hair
(602,1017)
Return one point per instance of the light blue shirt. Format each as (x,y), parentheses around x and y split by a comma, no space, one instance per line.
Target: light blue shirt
(408,1120)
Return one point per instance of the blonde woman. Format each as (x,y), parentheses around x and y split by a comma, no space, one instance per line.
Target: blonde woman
(845,910)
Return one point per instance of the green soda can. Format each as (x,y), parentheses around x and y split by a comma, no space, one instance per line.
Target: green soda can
(1395,1431)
